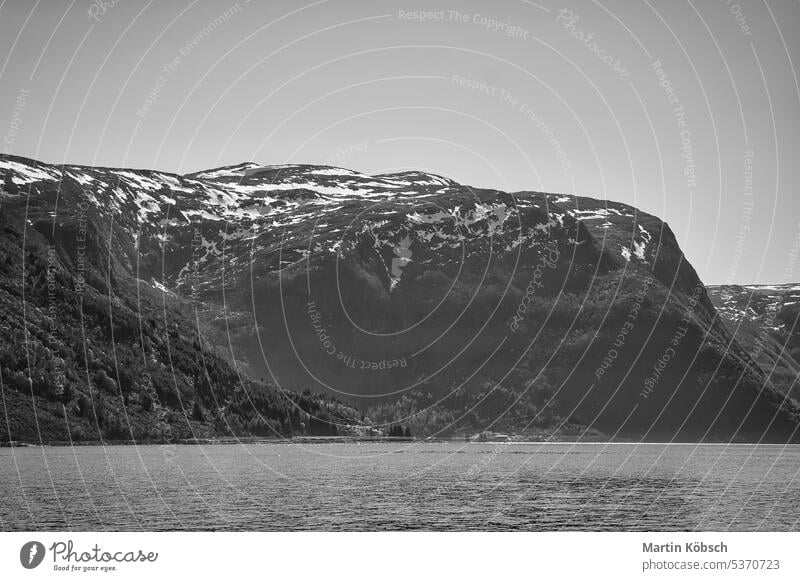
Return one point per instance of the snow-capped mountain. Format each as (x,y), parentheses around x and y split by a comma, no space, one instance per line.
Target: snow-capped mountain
(412,295)
(254,213)
(764,319)
(756,303)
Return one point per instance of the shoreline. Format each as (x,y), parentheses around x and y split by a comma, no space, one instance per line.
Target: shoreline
(373,440)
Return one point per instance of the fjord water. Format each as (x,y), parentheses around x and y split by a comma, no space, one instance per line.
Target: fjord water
(400,486)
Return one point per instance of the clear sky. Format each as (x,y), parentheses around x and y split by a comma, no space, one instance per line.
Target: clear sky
(661,104)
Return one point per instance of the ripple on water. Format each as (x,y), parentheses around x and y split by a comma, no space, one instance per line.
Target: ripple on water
(418,486)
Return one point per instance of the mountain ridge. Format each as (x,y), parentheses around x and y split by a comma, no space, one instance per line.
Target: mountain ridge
(764,317)
(446,307)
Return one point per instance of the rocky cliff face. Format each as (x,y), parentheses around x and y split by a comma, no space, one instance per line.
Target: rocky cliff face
(421,300)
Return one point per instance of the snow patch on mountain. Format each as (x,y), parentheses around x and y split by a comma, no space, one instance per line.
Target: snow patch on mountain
(23,174)
(401,259)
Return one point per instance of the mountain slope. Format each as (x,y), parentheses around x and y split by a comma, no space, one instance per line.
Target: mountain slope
(90,352)
(764,319)
(449,308)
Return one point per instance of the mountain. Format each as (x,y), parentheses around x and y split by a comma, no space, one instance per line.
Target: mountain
(763,318)
(89,352)
(448,308)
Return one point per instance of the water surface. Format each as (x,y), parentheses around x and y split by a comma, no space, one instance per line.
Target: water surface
(401,486)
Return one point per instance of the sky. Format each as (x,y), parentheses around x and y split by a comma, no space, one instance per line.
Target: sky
(685,109)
